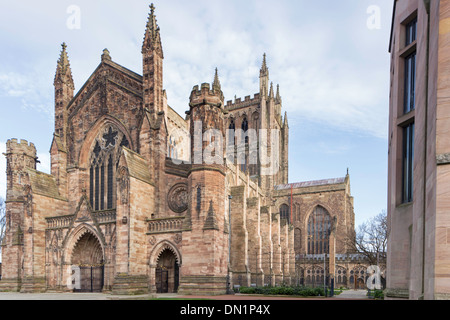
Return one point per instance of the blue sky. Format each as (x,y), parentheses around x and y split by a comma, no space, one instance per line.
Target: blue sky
(333,71)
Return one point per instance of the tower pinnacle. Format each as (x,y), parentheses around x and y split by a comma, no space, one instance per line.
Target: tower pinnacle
(63,71)
(264,69)
(152,39)
(216,83)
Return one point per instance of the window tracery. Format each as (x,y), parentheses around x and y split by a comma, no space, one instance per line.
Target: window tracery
(103,167)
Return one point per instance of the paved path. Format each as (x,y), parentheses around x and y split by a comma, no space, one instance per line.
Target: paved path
(353,294)
(350,294)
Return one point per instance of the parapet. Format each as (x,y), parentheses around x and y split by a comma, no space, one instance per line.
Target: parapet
(206,95)
(247,102)
(13,146)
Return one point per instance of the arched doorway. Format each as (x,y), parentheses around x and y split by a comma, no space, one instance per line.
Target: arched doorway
(167,272)
(87,257)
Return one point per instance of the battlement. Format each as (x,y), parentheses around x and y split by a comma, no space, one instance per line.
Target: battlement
(14,146)
(206,95)
(239,103)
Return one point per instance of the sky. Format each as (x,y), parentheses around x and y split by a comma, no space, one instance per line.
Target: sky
(330,59)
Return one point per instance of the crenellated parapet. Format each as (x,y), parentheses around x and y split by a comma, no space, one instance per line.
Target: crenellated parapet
(205,95)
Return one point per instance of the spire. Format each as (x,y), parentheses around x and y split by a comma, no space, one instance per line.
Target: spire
(63,71)
(216,83)
(271,90)
(264,69)
(278,97)
(264,78)
(151,23)
(152,39)
(285,122)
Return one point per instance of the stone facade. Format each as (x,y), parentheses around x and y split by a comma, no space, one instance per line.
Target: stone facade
(132,199)
(418,246)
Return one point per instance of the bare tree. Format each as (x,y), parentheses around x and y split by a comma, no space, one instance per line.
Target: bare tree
(371,239)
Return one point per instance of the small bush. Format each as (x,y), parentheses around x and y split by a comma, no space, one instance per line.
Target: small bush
(379,294)
(285,291)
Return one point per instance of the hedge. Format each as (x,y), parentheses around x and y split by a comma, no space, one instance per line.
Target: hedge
(285,291)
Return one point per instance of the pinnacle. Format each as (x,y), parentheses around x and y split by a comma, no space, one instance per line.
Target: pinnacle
(151,23)
(264,68)
(63,61)
(152,39)
(278,97)
(216,83)
(63,65)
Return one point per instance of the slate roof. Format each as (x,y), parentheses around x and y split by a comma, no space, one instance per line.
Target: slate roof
(43,184)
(137,166)
(306,184)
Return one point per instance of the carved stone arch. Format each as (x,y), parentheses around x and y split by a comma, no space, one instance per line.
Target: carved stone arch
(93,134)
(74,237)
(160,248)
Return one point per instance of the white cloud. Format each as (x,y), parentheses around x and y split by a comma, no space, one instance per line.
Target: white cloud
(31,88)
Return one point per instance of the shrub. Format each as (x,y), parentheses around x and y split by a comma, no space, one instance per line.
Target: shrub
(286,291)
(379,294)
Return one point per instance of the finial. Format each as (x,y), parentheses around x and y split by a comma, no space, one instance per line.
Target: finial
(271,90)
(64,46)
(152,8)
(105,55)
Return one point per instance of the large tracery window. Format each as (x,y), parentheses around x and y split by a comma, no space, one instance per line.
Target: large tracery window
(319,228)
(103,165)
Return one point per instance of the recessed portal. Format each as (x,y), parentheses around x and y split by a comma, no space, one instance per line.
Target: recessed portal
(88,256)
(167,273)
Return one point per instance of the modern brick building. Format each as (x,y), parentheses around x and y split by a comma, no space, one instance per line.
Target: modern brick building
(418,265)
(131,205)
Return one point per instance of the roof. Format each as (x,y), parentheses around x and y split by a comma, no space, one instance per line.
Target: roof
(137,166)
(314,183)
(43,184)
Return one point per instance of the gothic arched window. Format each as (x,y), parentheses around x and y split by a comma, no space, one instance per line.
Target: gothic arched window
(103,165)
(231,132)
(245,129)
(284,213)
(319,227)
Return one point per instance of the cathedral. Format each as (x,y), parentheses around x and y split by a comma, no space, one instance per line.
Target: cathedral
(141,199)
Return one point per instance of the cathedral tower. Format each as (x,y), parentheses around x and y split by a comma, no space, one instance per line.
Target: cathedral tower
(205,243)
(20,156)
